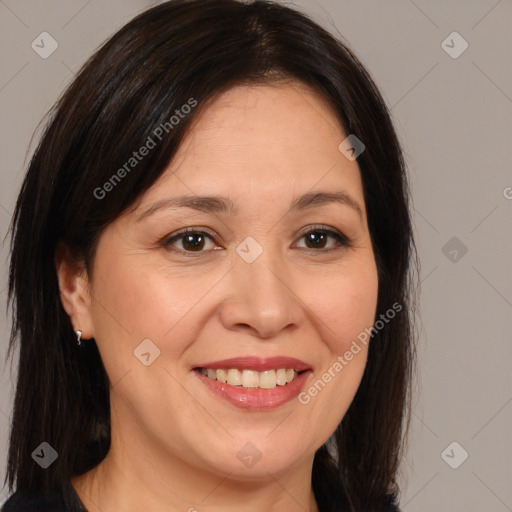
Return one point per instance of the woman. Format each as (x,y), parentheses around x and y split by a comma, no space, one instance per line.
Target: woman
(210,272)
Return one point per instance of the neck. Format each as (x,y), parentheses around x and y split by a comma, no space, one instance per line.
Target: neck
(130,480)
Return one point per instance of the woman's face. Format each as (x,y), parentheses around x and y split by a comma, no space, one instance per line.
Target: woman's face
(273,268)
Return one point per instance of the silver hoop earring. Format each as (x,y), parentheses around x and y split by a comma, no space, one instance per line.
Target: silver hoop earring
(78,338)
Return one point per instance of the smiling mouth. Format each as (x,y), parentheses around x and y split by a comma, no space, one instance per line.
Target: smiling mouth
(251,379)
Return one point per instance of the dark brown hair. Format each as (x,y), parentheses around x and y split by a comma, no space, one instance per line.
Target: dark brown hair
(179,50)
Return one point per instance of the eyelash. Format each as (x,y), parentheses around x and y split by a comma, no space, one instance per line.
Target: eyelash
(339,237)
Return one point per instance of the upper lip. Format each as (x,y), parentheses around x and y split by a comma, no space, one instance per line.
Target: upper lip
(257,363)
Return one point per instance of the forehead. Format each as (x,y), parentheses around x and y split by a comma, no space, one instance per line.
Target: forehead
(283,114)
(262,141)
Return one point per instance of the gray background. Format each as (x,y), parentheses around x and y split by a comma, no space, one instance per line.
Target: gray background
(454,117)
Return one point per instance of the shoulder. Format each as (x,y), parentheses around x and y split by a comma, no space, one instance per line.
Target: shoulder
(23,502)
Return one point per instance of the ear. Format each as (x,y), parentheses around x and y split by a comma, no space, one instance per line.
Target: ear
(74,289)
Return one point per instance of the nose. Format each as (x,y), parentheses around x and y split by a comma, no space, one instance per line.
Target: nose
(263,300)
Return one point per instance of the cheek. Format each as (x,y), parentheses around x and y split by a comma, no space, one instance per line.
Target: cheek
(356,308)
(143,300)
(346,303)
(135,300)
(350,308)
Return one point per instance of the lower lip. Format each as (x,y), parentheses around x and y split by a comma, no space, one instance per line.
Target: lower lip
(256,399)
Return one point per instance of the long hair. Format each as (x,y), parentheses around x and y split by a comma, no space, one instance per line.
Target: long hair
(136,81)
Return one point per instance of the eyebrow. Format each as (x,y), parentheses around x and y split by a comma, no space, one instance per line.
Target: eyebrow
(219,204)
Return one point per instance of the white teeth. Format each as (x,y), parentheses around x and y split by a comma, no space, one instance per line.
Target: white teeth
(281,377)
(268,379)
(234,377)
(250,379)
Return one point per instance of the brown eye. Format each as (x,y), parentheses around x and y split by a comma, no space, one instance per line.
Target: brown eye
(188,241)
(319,239)
(193,242)
(316,240)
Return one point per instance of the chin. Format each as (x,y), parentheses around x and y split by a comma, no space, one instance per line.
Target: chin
(254,460)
